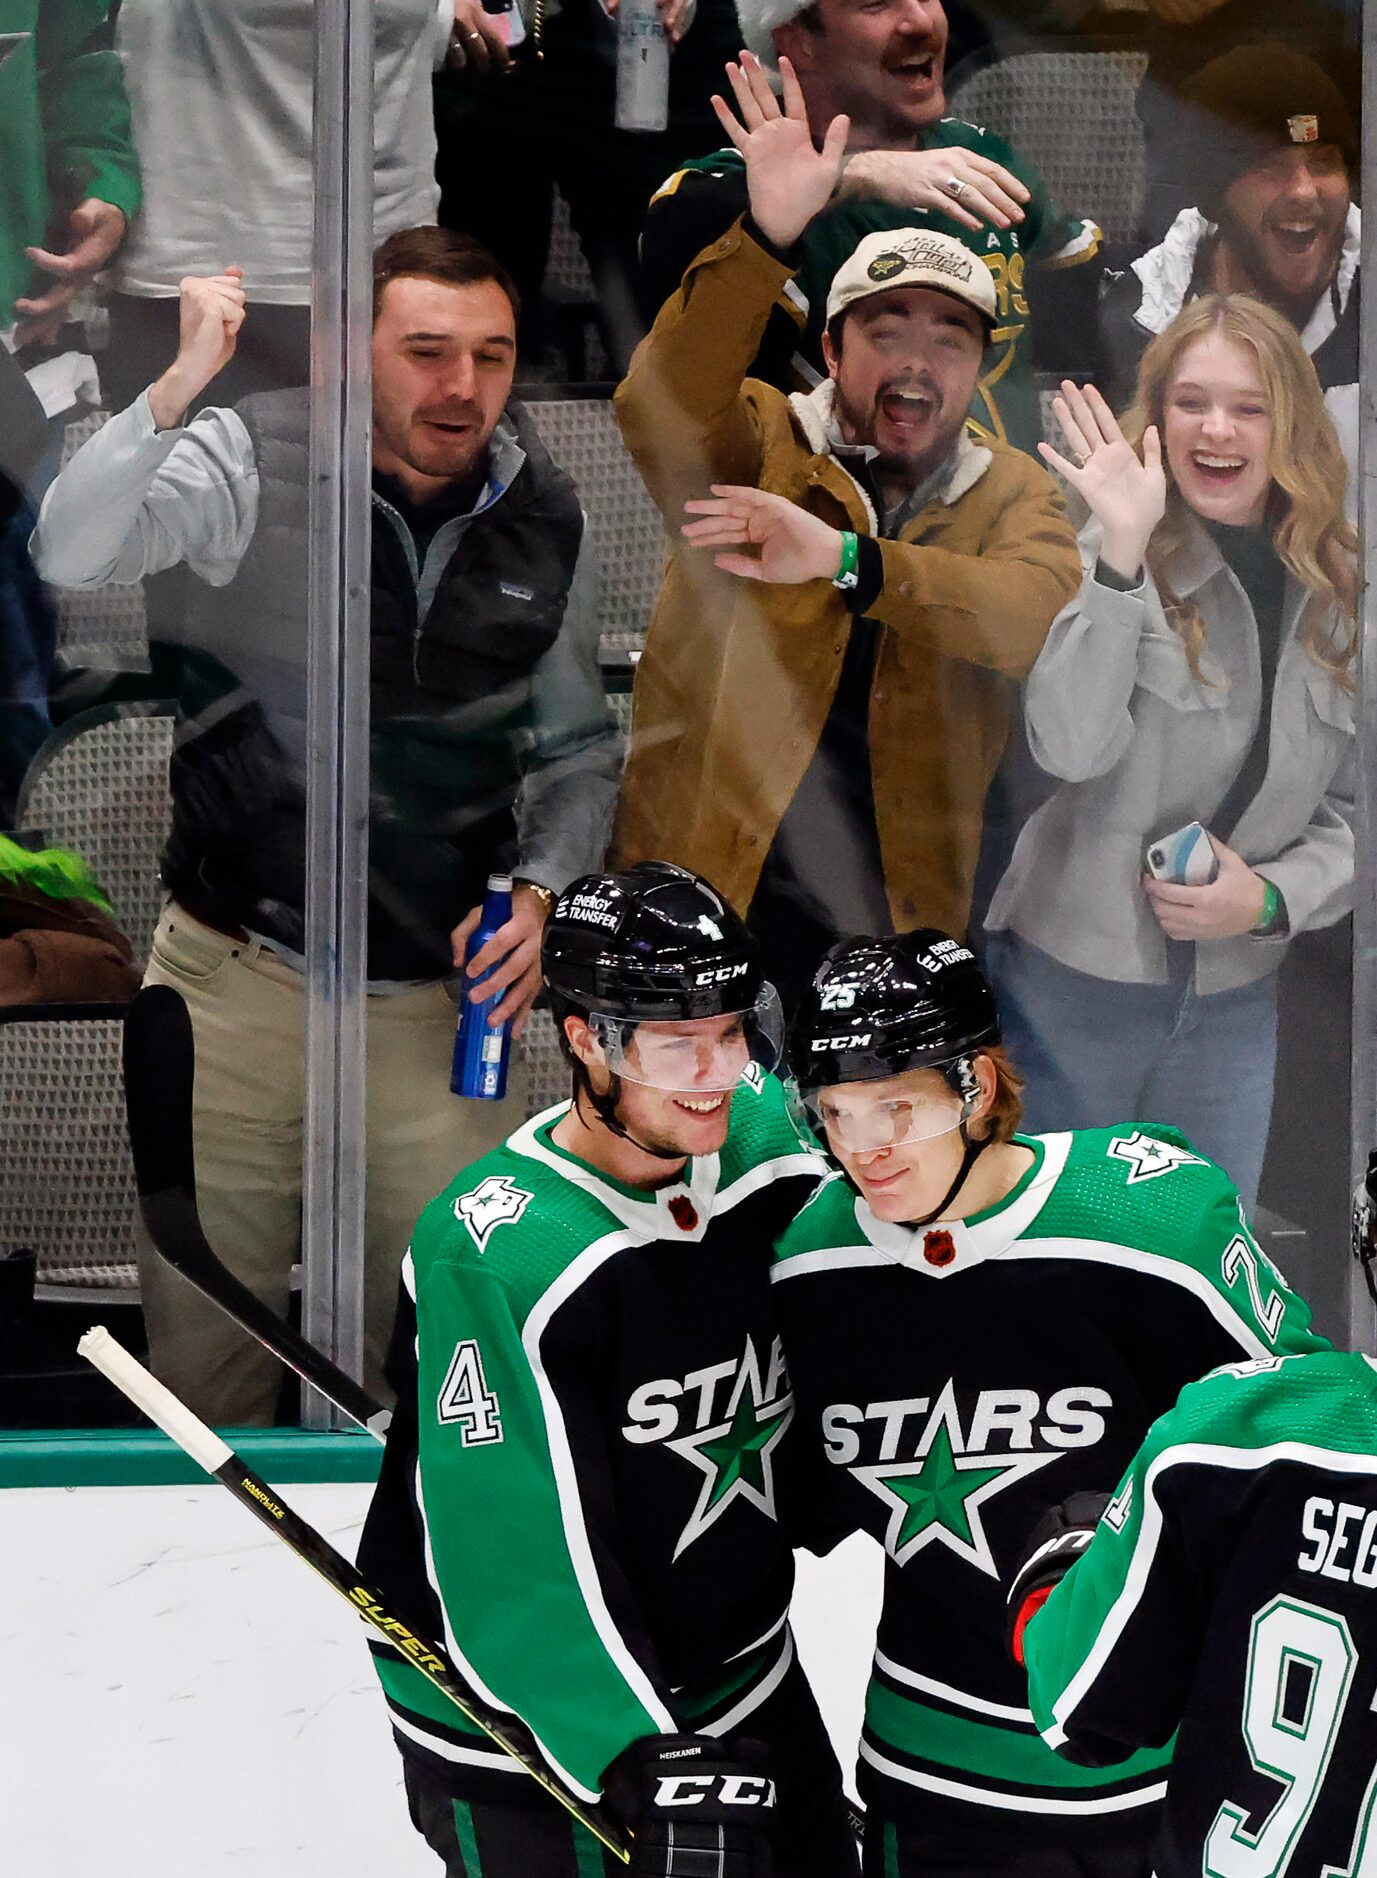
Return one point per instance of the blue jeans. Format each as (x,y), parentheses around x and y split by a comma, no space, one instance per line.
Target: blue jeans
(1096,1053)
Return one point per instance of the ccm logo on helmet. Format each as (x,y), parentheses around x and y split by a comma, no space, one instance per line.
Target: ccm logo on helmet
(841,1043)
(726,1789)
(722,974)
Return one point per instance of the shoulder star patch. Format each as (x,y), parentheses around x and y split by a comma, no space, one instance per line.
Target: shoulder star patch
(496,1201)
(1148,1158)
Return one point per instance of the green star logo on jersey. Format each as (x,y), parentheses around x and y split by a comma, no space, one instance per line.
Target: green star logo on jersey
(735,1456)
(938,1499)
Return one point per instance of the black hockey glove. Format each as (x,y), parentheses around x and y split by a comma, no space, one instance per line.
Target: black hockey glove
(699,1808)
(1054,1545)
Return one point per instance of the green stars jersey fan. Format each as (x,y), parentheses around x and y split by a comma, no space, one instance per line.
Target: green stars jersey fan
(1231,1591)
(582,1479)
(701,201)
(956,1381)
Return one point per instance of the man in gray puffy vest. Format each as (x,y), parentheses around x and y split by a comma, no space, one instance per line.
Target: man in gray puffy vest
(491,745)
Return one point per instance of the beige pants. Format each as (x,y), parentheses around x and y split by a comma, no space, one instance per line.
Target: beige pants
(247,1013)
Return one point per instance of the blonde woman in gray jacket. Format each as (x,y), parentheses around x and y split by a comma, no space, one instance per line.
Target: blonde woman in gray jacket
(1202,675)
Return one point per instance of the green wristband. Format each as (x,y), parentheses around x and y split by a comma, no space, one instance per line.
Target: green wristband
(1271,906)
(846,576)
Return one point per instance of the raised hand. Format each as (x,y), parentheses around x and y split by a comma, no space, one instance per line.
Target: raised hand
(791,545)
(210,313)
(789,178)
(1126,493)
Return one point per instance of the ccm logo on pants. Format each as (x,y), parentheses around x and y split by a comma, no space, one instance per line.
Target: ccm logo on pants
(729,1790)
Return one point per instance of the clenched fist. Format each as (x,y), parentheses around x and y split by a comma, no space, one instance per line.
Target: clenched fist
(211,311)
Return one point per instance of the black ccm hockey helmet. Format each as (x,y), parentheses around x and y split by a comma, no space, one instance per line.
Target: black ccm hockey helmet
(655,945)
(878,1007)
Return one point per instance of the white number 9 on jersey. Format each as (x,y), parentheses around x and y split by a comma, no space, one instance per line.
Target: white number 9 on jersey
(465,1398)
(1300,1668)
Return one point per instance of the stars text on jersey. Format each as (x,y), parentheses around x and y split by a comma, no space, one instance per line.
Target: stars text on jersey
(936,1473)
(726,1420)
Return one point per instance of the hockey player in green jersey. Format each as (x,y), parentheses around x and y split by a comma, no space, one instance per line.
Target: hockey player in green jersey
(581,1485)
(977,1324)
(1231,1592)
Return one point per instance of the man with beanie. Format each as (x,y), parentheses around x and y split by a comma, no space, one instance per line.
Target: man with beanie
(908,165)
(1270,164)
(822,701)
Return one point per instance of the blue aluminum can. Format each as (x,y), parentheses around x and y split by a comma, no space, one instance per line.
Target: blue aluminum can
(481,1049)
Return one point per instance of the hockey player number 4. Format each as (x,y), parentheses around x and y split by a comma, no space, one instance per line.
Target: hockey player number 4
(1301,1664)
(465,1398)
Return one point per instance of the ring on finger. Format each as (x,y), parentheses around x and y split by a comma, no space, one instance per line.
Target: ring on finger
(955,187)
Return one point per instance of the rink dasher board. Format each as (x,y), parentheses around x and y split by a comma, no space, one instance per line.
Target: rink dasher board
(178,1692)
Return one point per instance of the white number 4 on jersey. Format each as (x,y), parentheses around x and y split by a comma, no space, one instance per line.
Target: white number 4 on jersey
(466,1398)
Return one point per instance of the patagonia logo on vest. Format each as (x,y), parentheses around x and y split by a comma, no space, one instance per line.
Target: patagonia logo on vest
(513,592)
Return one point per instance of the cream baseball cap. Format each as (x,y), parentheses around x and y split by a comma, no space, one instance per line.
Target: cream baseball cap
(913,257)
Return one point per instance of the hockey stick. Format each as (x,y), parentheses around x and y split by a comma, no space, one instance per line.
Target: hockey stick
(159,1076)
(207,1449)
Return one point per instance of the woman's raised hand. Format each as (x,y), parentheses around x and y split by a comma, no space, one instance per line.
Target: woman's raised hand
(1126,493)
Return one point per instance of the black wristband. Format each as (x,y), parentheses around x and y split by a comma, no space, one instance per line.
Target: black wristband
(870,576)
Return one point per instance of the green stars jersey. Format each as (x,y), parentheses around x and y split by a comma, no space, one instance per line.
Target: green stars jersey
(581,1485)
(699,202)
(956,1381)
(1231,1591)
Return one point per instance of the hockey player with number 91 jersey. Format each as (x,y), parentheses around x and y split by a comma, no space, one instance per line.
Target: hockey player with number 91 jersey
(979,1324)
(1231,1592)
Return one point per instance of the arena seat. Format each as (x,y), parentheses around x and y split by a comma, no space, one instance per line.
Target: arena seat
(1070,113)
(582,436)
(99,786)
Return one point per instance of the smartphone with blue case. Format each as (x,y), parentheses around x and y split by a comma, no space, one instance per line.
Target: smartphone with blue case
(1185,858)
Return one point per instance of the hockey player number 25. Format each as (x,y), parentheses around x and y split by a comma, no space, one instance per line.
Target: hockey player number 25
(465,1398)
(1301,1664)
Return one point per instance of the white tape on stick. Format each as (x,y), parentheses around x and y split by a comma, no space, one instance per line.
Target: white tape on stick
(156,1400)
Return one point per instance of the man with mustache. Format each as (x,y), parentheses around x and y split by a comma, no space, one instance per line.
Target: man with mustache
(1269,165)
(881,64)
(822,701)
(491,747)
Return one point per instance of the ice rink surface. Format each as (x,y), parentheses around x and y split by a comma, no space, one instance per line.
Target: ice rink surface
(180,1695)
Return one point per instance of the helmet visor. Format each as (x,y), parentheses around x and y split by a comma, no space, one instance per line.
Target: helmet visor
(702,1053)
(857,1123)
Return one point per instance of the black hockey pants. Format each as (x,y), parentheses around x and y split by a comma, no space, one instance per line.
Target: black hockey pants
(1016,1845)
